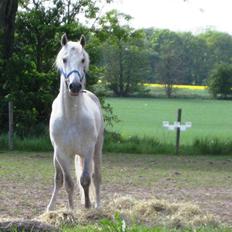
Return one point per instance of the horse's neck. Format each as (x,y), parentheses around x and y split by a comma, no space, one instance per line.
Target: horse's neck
(70,106)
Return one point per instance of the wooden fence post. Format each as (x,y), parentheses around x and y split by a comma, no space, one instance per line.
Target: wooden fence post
(11,127)
(179,111)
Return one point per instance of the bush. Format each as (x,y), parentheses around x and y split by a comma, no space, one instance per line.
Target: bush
(220,81)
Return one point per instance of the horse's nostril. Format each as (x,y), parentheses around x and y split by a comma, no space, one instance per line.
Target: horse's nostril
(70,86)
(79,86)
(75,87)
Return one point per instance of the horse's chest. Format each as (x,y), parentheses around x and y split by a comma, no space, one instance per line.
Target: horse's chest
(72,134)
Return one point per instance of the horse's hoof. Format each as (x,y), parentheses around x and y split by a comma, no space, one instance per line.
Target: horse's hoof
(47,210)
(88,205)
(97,206)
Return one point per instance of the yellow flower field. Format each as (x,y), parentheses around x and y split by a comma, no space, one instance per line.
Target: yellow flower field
(191,87)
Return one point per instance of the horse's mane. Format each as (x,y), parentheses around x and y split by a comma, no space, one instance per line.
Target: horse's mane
(86,55)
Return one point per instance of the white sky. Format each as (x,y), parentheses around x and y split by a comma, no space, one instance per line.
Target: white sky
(179,15)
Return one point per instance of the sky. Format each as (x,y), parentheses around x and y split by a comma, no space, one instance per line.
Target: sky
(179,15)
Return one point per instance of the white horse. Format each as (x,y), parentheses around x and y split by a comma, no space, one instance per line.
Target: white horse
(76,127)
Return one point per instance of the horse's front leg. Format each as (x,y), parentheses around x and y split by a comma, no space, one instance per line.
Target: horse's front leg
(62,174)
(58,183)
(65,162)
(86,178)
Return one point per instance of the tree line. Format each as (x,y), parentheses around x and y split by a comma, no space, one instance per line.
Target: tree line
(122,58)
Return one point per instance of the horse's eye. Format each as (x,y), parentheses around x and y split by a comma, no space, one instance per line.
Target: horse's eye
(64,60)
(83,60)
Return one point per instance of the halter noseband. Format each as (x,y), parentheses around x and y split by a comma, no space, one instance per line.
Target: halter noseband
(67,75)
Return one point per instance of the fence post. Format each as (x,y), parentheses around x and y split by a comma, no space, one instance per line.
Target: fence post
(11,127)
(179,111)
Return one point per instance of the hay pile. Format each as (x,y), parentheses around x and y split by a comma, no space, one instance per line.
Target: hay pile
(82,217)
(152,212)
(10,225)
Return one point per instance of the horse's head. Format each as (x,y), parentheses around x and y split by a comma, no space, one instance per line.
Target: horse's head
(72,62)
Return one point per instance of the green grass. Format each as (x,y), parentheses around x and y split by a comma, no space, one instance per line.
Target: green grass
(143,117)
(139,228)
(111,227)
(40,144)
(140,128)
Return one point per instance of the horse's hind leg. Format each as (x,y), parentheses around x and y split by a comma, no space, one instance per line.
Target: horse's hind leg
(97,170)
(79,163)
(58,183)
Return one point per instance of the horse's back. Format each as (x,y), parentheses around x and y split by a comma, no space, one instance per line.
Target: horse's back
(93,97)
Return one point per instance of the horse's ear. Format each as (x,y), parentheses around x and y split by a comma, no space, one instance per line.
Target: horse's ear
(64,39)
(82,40)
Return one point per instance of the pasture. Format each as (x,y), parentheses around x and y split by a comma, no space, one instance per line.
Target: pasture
(143,117)
(26,182)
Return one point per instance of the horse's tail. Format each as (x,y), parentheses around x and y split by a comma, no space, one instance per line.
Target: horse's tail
(79,170)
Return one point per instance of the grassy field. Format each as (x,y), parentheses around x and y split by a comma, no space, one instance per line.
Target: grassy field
(140,128)
(26,183)
(143,117)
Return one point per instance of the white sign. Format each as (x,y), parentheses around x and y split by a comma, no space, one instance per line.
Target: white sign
(175,125)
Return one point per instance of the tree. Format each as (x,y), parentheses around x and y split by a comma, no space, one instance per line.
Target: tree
(33,81)
(220,81)
(8,9)
(168,71)
(220,46)
(125,57)
(195,63)
(168,67)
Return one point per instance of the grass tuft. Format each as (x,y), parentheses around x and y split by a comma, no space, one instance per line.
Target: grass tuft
(212,146)
(41,143)
(114,142)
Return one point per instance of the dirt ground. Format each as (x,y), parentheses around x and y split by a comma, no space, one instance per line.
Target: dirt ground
(28,199)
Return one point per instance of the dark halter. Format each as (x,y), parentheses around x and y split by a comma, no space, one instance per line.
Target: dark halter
(67,75)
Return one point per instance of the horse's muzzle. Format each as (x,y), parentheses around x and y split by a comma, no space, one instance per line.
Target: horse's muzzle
(75,88)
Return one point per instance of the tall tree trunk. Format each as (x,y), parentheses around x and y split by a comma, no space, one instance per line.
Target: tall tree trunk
(8,9)
(121,89)
(128,76)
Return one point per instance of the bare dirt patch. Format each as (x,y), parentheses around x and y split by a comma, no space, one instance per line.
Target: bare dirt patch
(191,179)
